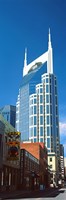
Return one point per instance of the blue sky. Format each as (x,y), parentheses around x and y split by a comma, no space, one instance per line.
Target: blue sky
(25,23)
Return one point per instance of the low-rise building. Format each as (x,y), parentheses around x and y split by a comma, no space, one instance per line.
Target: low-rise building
(39,151)
(9,156)
(52,162)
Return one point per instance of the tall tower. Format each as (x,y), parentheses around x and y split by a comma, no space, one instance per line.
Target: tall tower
(43,117)
(37,104)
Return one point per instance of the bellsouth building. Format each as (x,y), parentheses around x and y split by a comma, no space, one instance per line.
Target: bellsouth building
(37,103)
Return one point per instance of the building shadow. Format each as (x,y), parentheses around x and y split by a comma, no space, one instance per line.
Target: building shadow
(48,193)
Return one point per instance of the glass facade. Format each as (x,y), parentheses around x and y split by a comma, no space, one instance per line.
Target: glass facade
(46,107)
(9,113)
(26,108)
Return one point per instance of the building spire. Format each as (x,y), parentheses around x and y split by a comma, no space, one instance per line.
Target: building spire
(25,59)
(50,56)
(49,42)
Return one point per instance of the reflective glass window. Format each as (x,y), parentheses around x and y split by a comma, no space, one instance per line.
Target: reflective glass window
(56,100)
(47,119)
(34,109)
(50,88)
(55,82)
(48,131)
(31,110)
(48,142)
(31,121)
(50,98)
(40,90)
(34,101)
(50,109)
(47,88)
(47,109)
(41,131)
(31,132)
(34,120)
(47,80)
(57,121)
(41,120)
(41,139)
(56,110)
(41,98)
(55,90)
(34,139)
(47,98)
(51,119)
(34,131)
(41,109)
(51,131)
(31,101)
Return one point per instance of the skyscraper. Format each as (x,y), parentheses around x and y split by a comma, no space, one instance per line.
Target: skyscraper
(37,108)
(43,109)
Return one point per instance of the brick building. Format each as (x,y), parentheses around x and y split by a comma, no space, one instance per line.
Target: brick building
(39,151)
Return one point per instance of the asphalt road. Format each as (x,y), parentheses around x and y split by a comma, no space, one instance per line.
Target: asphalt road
(48,194)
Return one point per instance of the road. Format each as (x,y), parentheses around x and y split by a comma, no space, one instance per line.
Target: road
(48,194)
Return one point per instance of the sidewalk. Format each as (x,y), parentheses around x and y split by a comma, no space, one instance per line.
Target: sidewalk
(24,194)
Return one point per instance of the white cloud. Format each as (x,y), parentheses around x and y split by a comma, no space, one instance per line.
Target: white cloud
(62,126)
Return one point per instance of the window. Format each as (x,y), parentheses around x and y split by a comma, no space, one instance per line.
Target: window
(41,109)
(50,109)
(57,121)
(34,139)
(51,119)
(47,109)
(47,98)
(34,101)
(41,139)
(55,81)
(47,88)
(41,131)
(41,98)
(56,100)
(31,110)
(34,109)
(50,88)
(57,132)
(40,90)
(34,120)
(48,131)
(55,90)
(51,131)
(50,166)
(50,159)
(47,119)
(31,101)
(56,110)
(50,99)
(41,120)
(50,80)
(31,121)
(34,131)
(47,80)
(48,142)
(31,132)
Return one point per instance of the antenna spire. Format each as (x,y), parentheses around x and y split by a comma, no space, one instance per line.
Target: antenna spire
(49,42)
(50,56)
(25,60)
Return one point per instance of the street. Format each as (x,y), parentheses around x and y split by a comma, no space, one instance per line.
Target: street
(48,194)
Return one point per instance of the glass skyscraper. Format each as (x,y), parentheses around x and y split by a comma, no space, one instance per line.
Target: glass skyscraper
(27,88)
(43,113)
(37,106)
